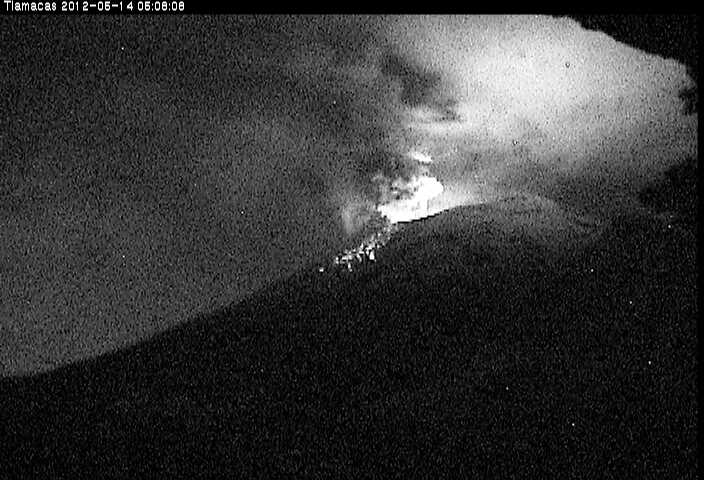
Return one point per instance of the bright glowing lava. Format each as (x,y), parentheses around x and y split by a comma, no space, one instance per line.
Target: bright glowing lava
(406,200)
(410,198)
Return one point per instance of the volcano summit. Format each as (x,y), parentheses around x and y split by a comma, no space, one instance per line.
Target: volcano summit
(471,347)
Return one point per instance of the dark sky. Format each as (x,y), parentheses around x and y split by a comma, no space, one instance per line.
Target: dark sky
(155,167)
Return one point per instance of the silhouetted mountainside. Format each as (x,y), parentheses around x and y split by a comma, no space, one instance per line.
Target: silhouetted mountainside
(646,32)
(676,194)
(450,356)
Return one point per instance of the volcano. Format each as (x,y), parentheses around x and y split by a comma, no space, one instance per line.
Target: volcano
(511,339)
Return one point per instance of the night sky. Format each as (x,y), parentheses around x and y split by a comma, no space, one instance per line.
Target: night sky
(156,167)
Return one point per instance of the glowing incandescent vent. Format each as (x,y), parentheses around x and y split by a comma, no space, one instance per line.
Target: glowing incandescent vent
(409,199)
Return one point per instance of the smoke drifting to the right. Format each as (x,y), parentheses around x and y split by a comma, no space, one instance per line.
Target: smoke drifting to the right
(402,117)
(541,105)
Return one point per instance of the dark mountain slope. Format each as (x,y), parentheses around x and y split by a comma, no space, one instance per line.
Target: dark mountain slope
(511,364)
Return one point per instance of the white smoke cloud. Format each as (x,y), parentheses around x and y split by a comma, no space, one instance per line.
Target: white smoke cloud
(528,103)
(544,105)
